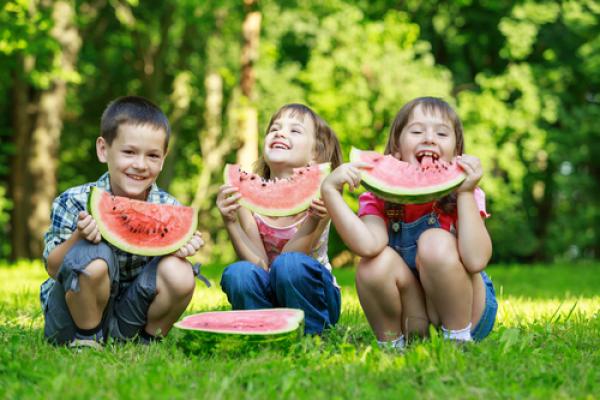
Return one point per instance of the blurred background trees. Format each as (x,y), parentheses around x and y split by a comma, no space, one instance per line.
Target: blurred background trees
(524,76)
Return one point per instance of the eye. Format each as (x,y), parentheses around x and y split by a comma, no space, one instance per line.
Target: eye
(154,156)
(296,131)
(443,134)
(416,132)
(128,152)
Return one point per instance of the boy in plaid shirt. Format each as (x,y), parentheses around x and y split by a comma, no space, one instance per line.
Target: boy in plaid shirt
(96,291)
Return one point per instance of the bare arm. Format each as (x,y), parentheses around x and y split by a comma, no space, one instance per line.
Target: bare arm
(86,229)
(367,236)
(474,242)
(310,231)
(241,228)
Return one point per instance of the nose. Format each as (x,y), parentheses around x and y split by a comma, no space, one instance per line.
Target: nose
(139,162)
(429,136)
(280,133)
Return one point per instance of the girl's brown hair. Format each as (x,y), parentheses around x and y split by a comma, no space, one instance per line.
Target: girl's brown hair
(327,146)
(429,105)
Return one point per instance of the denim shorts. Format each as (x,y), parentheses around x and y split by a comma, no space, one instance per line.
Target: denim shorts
(126,312)
(403,237)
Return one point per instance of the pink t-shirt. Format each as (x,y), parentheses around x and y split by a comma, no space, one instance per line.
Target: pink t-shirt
(274,239)
(369,204)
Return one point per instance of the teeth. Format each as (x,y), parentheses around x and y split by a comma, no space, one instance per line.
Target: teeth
(427,154)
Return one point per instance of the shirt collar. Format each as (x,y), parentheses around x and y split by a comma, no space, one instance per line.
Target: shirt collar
(104,183)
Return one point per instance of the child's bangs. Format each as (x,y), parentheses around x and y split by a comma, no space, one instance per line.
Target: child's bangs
(432,106)
(296,111)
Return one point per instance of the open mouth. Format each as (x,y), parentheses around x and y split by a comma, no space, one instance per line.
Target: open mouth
(427,157)
(279,145)
(136,177)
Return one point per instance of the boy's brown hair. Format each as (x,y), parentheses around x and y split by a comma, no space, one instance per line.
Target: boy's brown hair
(133,110)
(327,146)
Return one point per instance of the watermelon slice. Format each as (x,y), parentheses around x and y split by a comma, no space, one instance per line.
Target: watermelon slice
(139,227)
(279,197)
(400,182)
(238,329)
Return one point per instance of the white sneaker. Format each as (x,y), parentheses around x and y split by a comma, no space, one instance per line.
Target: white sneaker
(86,343)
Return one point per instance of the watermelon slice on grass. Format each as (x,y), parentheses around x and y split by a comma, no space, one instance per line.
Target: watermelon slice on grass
(139,227)
(400,182)
(278,197)
(241,329)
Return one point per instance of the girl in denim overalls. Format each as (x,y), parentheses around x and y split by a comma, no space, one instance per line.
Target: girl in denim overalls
(421,263)
(284,260)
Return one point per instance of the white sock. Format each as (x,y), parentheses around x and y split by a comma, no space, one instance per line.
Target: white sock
(463,334)
(397,344)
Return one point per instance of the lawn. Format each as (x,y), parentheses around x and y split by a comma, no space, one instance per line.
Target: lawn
(546,344)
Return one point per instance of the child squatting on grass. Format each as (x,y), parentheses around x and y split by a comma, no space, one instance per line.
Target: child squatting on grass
(284,259)
(421,263)
(96,291)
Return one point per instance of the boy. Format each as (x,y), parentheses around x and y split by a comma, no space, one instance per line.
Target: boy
(97,291)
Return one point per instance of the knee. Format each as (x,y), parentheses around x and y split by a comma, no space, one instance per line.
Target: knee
(96,270)
(372,271)
(177,275)
(437,251)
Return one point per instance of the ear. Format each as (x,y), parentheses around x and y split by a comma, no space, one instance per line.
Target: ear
(101,149)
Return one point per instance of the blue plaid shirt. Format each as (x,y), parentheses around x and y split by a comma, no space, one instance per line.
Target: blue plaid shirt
(63,222)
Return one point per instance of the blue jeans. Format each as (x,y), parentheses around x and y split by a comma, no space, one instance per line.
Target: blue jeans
(295,280)
(403,238)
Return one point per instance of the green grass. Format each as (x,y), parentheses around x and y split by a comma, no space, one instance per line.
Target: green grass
(545,345)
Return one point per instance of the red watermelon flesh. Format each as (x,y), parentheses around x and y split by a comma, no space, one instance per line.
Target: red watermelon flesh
(139,227)
(278,197)
(401,182)
(246,322)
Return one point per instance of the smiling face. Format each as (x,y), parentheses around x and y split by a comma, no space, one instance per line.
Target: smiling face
(135,158)
(428,134)
(289,143)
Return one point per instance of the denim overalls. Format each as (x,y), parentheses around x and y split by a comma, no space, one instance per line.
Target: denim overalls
(403,237)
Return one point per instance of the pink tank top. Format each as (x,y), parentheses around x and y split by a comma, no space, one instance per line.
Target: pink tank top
(274,239)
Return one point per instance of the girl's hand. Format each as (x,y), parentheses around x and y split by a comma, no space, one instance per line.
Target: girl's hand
(472,167)
(348,173)
(87,228)
(191,247)
(228,202)
(317,209)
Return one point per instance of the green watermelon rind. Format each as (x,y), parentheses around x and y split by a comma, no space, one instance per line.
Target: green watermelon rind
(196,339)
(405,195)
(95,197)
(325,169)
(408,199)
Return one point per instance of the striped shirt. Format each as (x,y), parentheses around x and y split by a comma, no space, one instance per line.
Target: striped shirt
(63,222)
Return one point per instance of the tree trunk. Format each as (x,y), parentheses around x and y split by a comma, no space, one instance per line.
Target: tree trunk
(247,121)
(19,188)
(212,144)
(34,175)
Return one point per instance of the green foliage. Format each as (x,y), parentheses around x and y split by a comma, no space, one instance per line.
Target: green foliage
(525,78)
(544,345)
